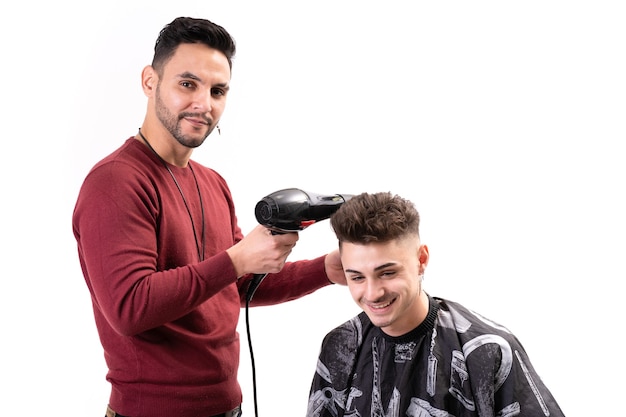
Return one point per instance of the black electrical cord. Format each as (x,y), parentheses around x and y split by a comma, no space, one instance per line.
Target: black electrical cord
(254,283)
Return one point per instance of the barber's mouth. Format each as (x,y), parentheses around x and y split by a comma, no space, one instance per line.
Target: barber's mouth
(197,122)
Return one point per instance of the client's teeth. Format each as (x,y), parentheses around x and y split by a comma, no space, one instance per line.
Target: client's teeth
(382,305)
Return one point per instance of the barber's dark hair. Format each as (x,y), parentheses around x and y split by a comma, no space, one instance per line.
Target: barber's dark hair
(191,30)
(379,217)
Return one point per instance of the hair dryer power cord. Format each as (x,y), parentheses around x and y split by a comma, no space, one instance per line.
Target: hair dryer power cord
(254,283)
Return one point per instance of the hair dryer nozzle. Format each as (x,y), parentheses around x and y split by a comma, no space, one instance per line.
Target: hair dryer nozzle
(292,210)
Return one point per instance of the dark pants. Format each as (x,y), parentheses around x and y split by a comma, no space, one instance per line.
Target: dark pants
(236,412)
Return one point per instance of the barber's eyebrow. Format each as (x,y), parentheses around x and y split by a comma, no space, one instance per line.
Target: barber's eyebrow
(192,76)
(378,268)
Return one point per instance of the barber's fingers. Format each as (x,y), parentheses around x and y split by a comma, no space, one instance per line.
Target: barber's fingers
(261,251)
(286,239)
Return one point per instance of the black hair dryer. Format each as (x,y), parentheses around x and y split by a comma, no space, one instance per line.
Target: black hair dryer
(293,210)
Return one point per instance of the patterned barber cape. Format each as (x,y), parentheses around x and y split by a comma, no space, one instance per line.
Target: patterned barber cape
(454,364)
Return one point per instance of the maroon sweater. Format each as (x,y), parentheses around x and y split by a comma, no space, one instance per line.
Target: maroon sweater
(167,321)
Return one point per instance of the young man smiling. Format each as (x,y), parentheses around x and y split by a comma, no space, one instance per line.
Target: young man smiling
(408,353)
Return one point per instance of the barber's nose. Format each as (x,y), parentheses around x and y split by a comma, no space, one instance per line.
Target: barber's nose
(202,101)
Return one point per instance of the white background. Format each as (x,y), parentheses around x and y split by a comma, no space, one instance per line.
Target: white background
(503,121)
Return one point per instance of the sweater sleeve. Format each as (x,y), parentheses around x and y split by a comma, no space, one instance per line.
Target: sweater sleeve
(116,226)
(295,280)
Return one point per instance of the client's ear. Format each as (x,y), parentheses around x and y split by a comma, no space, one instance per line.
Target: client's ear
(423,256)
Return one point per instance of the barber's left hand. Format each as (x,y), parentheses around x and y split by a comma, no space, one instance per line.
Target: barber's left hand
(334,269)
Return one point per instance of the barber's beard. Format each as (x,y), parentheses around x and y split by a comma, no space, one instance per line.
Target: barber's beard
(171,122)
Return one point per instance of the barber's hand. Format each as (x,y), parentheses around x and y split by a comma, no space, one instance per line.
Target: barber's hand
(261,252)
(334,269)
